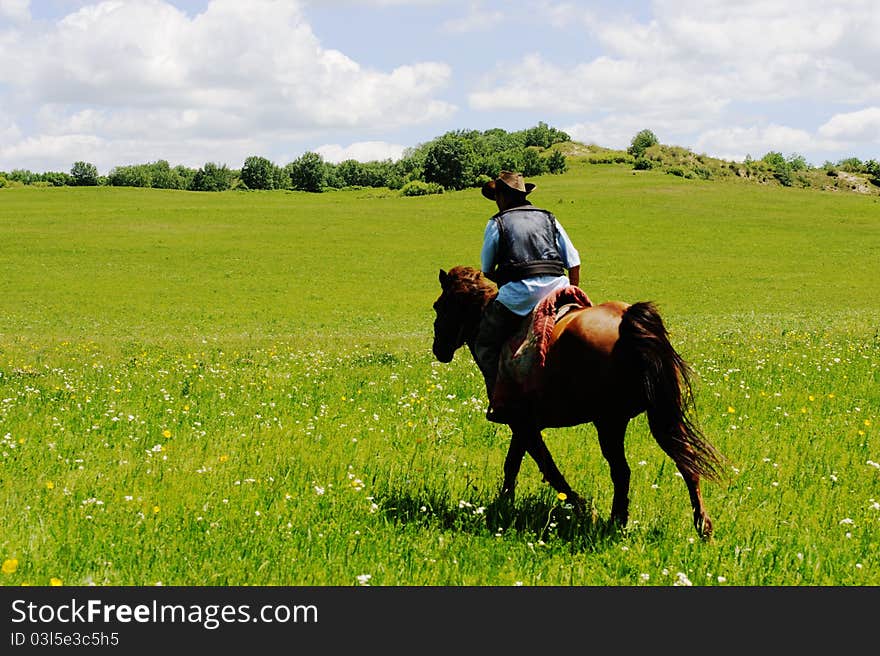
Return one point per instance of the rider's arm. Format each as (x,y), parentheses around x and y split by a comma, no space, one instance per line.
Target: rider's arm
(571,259)
(490,248)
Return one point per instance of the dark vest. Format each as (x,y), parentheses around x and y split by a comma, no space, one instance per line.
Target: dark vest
(526,245)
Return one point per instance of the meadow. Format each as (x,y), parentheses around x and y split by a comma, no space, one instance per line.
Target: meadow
(237,388)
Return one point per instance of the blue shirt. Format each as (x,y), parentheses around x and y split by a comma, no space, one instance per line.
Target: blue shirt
(521,296)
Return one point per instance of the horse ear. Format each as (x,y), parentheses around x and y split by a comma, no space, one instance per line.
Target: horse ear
(444,278)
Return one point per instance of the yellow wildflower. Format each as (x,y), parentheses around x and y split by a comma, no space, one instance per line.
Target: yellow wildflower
(9,566)
(55,582)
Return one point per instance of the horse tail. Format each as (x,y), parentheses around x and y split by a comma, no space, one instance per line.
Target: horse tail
(665,380)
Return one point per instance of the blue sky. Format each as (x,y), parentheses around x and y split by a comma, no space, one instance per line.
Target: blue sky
(119,82)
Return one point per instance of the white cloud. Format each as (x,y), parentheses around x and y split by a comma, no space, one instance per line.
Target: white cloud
(749,50)
(615,132)
(862,125)
(601,85)
(734,143)
(250,71)
(376,3)
(362,151)
(690,65)
(478,18)
(15,10)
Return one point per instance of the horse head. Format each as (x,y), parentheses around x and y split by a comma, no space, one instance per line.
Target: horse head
(465,292)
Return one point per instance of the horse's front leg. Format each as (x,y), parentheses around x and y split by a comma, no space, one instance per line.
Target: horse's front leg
(537,448)
(515,454)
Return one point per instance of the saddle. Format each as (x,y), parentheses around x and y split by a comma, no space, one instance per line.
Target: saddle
(521,363)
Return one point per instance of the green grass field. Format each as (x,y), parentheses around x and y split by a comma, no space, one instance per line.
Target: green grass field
(238,389)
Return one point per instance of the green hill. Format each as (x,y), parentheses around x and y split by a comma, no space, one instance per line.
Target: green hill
(684,163)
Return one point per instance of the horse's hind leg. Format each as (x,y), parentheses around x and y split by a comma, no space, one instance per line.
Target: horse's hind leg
(701,518)
(611,437)
(691,479)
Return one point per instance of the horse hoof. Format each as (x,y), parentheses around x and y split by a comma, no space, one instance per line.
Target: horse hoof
(620,521)
(578,504)
(704,527)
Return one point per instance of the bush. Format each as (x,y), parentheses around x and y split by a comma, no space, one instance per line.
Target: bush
(419,188)
(681,172)
(783,175)
(556,162)
(851,165)
(643,164)
(703,173)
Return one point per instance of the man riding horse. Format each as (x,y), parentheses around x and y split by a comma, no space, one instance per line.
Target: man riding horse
(602,364)
(526,252)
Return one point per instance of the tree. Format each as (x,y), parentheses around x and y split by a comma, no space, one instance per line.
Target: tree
(450,162)
(84,174)
(138,175)
(641,142)
(307,172)
(781,168)
(212,177)
(532,163)
(24,176)
(280,178)
(164,177)
(774,159)
(352,173)
(797,162)
(872,168)
(258,173)
(57,178)
(185,175)
(543,136)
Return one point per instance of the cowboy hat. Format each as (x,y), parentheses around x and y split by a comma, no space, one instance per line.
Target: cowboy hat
(510,180)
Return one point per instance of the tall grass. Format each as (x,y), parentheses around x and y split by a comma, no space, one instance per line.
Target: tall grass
(238,389)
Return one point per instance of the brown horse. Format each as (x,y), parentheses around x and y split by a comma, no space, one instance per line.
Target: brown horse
(605,364)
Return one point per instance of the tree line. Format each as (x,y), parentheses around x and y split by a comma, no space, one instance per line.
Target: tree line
(456,160)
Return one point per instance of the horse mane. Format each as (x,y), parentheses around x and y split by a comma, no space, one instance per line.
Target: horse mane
(472,284)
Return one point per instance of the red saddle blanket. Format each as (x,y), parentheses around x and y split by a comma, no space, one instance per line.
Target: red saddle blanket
(521,363)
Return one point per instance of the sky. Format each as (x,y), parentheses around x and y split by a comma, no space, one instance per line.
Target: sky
(119,82)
